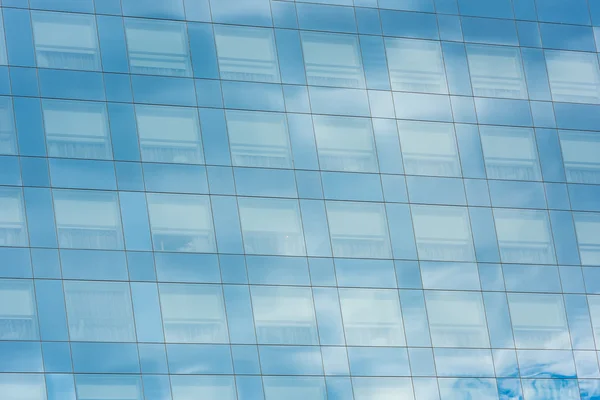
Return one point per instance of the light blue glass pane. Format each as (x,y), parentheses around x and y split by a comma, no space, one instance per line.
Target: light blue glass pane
(249,387)
(112,45)
(172,9)
(564,237)
(372,361)
(409,24)
(464,388)
(408,5)
(40,217)
(218,387)
(60,387)
(421,362)
(129,176)
(510,389)
(329,317)
(429,190)
(294,388)
(89,386)
(32,384)
(553,363)
(187,267)
(199,358)
(93,264)
(245,359)
(368,388)
(202,46)
(339,101)
(577,116)
(322,272)
(117,358)
(147,312)
(284,15)
(464,362)
(575,12)
(497,9)
(163,90)
(153,358)
(517,194)
(269,270)
(490,31)
(252,12)
(505,364)
(326,18)
(585,197)
(274,360)
(19,37)
(531,278)
(365,273)
(68,84)
(252,96)
(368,21)
(227,224)
(503,112)
(239,314)
(314,220)
(135,221)
(233,268)
(415,318)
(450,276)
(426,107)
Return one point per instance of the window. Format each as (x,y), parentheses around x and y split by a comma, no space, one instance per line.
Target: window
(3,57)
(169,134)
(587,227)
(345,144)
(76,129)
(456,319)
(496,71)
(510,153)
(193,313)
(181,223)
(294,388)
(271,226)
(66,41)
(108,387)
(157,47)
(258,139)
(209,387)
(88,219)
(23,386)
(539,321)
(580,155)
(8,140)
(385,388)
(416,65)
(18,317)
(442,233)
(13,228)
(99,311)
(594,304)
(524,236)
(372,317)
(332,60)
(358,230)
(574,76)
(429,148)
(246,54)
(284,315)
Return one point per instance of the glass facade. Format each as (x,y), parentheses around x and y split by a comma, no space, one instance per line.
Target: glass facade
(299,200)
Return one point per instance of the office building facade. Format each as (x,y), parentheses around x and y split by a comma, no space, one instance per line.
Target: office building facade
(299,200)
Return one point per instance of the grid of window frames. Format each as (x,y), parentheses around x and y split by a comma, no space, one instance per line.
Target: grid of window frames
(301,200)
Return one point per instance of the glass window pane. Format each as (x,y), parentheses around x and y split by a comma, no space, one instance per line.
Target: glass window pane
(181,223)
(271,226)
(76,129)
(193,313)
(246,54)
(23,386)
(157,47)
(416,65)
(496,71)
(108,387)
(524,236)
(66,41)
(18,317)
(587,227)
(443,233)
(429,148)
(345,144)
(594,304)
(294,388)
(13,228)
(574,76)
(99,311)
(358,230)
(383,388)
(539,321)
(169,134)
(372,317)
(580,152)
(3,58)
(187,387)
(332,60)
(284,315)
(510,153)
(456,319)
(259,139)
(88,219)
(8,142)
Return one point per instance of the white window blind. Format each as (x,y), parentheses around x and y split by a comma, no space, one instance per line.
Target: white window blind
(574,76)
(510,153)
(587,227)
(18,320)
(13,231)
(496,72)
(580,152)
(65,41)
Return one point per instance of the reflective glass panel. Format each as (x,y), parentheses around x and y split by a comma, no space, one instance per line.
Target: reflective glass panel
(358,230)
(574,76)
(246,54)
(18,316)
(524,236)
(345,144)
(108,387)
(13,227)
(496,71)
(76,129)
(443,233)
(587,227)
(181,223)
(372,317)
(8,142)
(66,41)
(258,139)
(284,315)
(271,226)
(456,319)
(510,153)
(539,321)
(88,219)
(429,148)
(416,65)
(169,134)
(332,60)
(99,311)
(580,151)
(193,313)
(157,47)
